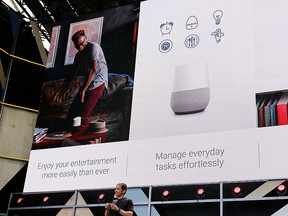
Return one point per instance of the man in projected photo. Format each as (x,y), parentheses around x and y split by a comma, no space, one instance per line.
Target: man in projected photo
(122,206)
(89,62)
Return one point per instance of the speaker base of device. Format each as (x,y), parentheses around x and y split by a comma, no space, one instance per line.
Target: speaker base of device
(191,112)
(190,101)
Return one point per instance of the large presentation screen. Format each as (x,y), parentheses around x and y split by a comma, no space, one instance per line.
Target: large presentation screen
(209,103)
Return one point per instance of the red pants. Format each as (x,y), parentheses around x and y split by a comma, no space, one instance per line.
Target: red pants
(84,109)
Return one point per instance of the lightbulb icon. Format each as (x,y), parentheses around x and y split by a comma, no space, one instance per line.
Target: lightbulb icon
(217,16)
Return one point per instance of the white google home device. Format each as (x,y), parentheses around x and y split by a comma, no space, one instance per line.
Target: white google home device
(190,93)
(76,123)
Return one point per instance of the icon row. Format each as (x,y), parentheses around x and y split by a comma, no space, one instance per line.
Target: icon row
(190,42)
(191,23)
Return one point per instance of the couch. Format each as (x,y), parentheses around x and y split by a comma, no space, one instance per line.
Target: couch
(114,106)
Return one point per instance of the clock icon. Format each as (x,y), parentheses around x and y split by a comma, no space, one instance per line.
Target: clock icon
(166,28)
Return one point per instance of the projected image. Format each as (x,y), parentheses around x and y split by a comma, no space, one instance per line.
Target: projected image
(194,111)
(53,46)
(93,29)
(200,81)
(272,108)
(87,99)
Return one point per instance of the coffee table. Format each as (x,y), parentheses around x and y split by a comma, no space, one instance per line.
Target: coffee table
(77,136)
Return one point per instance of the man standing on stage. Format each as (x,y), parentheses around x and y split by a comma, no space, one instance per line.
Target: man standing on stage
(122,206)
